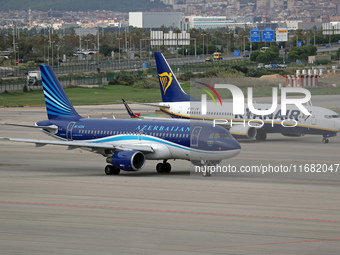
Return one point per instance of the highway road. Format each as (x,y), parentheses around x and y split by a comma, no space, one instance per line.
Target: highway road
(54,201)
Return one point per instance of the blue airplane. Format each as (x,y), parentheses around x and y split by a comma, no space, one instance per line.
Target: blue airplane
(126,144)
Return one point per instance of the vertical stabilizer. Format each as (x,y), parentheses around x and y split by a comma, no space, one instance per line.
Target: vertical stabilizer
(58,104)
(170,88)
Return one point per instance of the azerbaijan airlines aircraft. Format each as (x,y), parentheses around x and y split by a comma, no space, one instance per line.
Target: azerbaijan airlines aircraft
(178,104)
(126,144)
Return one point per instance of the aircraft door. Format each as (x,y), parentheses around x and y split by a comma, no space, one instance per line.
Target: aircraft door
(314,117)
(179,111)
(194,136)
(69,130)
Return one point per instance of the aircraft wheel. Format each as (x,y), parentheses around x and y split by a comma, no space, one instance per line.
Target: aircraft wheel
(109,170)
(167,167)
(116,171)
(261,136)
(160,168)
(206,173)
(325,140)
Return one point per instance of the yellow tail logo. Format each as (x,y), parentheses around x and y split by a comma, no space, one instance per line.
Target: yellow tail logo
(165,79)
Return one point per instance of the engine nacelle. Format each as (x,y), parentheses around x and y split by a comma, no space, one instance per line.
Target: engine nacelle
(127,160)
(243,132)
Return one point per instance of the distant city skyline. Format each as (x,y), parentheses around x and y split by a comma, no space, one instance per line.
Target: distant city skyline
(233,10)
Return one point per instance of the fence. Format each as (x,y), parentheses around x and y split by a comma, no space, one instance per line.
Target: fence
(66,81)
(179,67)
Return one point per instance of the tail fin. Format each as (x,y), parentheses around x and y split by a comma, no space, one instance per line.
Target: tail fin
(170,88)
(57,103)
(130,112)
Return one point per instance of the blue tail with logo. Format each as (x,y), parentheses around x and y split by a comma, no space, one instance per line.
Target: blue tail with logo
(58,105)
(170,88)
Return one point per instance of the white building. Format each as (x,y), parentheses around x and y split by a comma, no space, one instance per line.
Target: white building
(208,22)
(155,19)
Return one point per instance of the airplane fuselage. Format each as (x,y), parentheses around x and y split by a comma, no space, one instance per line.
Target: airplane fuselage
(172,140)
(322,121)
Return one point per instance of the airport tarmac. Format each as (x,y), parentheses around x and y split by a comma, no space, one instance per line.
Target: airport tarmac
(55,201)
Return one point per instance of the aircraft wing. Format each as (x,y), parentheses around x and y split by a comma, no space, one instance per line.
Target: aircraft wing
(52,128)
(95,147)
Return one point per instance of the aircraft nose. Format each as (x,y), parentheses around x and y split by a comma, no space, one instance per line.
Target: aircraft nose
(337,125)
(230,144)
(236,145)
(232,148)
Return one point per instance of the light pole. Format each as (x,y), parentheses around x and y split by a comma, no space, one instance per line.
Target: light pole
(203,44)
(44,51)
(52,52)
(58,55)
(48,52)
(17,47)
(87,49)
(119,49)
(244,43)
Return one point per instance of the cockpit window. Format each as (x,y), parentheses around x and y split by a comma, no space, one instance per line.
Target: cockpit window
(220,136)
(332,116)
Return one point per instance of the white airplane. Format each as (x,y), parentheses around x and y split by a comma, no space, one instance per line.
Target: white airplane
(126,144)
(178,104)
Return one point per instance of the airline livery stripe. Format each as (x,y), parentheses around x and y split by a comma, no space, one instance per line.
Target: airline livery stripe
(54,86)
(152,139)
(239,120)
(56,95)
(53,100)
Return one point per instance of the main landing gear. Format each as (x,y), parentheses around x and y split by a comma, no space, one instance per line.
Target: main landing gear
(325,140)
(111,170)
(261,135)
(163,167)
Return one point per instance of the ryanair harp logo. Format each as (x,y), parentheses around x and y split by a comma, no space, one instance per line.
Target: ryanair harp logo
(165,79)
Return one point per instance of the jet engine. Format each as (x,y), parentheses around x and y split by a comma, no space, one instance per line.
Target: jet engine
(127,160)
(243,132)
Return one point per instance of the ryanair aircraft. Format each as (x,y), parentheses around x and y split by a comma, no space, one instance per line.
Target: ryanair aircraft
(178,104)
(126,144)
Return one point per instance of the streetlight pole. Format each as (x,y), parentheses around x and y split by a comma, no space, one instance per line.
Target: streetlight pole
(226,41)
(119,49)
(48,52)
(195,49)
(87,49)
(52,53)
(244,43)
(203,44)
(58,55)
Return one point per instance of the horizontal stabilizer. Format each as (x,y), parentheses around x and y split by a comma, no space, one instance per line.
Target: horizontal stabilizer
(152,104)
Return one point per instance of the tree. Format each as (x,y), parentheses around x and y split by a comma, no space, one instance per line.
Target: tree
(164,29)
(338,53)
(301,52)
(254,55)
